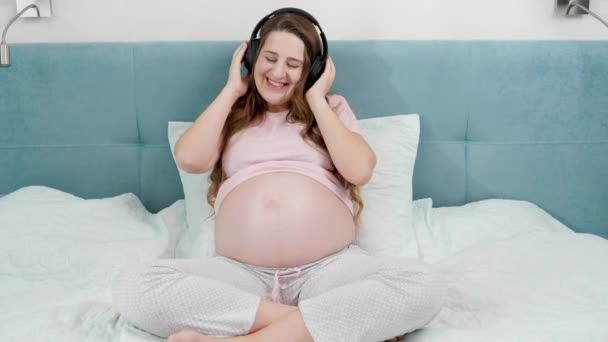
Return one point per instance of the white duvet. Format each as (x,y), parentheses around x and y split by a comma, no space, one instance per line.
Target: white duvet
(515,273)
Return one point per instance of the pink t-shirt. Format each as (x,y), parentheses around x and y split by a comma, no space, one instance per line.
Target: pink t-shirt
(275,145)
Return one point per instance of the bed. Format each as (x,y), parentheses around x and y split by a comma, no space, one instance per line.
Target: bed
(504,188)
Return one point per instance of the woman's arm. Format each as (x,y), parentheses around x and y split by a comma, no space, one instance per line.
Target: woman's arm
(197,150)
(350,153)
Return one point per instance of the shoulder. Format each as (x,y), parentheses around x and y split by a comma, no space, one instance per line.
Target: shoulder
(336,100)
(340,106)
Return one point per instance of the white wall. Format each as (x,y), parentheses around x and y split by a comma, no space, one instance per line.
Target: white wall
(145,20)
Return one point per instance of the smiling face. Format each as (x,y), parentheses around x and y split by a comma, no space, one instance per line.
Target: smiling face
(278,68)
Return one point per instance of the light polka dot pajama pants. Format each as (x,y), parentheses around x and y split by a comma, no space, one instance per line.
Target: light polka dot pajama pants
(349,296)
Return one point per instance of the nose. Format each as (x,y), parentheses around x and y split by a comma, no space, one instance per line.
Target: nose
(278,71)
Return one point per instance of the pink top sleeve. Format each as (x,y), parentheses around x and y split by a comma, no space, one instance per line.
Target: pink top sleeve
(339,105)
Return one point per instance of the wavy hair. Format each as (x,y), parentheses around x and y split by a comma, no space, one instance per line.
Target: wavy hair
(250,108)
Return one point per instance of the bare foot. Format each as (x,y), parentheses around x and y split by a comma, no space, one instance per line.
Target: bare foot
(270,312)
(190,336)
(394,339)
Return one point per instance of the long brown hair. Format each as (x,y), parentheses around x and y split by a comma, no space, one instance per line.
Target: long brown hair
(250,108)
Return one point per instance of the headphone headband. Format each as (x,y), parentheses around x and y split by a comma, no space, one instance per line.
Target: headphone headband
(298,12)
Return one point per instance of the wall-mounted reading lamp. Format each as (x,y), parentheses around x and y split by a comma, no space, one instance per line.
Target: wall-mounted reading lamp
(575,7)
(29,8)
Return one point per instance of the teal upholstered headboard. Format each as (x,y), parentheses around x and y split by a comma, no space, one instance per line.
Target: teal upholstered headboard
(507,119)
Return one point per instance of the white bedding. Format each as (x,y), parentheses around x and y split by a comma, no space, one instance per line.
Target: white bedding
(541,286)
(58,255)
(536,281)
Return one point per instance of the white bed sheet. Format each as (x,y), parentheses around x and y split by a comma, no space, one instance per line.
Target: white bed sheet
(542,283)
(59,254)
(540,286)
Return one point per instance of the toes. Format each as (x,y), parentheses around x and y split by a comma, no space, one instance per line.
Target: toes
(185,336)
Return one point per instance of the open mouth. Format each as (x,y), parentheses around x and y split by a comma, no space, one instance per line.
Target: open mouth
(275,85)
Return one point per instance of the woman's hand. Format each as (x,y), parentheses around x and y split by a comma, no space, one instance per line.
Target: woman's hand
(237,85)
(321,87)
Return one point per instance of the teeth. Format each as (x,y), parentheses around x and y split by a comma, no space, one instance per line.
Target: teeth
(276,84)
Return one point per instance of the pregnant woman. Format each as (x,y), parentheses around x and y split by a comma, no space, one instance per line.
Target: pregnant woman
(286,163)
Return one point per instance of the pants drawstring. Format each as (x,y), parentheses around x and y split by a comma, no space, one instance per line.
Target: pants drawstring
(287,273)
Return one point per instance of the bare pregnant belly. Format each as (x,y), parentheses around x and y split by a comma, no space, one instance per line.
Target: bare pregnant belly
(282,220)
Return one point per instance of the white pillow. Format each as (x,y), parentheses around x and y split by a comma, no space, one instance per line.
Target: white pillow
(386,222)
(447,230)
(198,239)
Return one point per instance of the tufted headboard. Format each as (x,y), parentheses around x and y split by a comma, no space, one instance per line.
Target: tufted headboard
(500,119)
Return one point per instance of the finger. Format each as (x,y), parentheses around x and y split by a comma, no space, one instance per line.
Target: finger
(327,70)
(331,68)
(236,51)
(239,51)
(242,49)
(324,70)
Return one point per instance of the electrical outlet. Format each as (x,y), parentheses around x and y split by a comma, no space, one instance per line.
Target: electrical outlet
(44,6)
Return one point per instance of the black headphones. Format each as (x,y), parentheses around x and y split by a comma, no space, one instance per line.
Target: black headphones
(318,64)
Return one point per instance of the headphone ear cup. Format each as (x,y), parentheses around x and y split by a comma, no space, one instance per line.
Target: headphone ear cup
(250,53)
(316,69)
